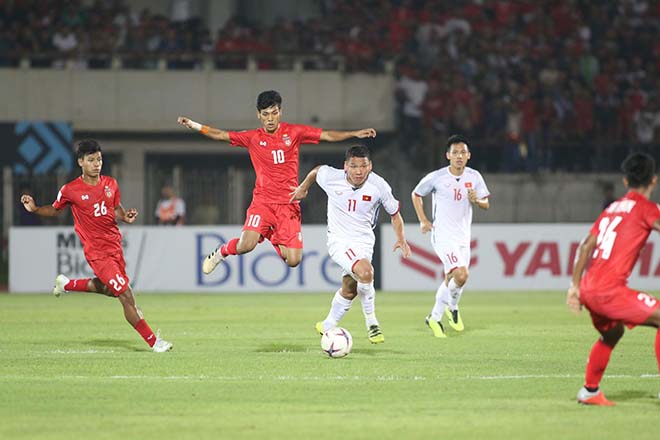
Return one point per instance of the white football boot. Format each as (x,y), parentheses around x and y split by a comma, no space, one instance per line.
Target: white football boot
(161,345)
(60,282)
(211,261)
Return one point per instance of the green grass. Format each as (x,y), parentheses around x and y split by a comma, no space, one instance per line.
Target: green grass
(250,366)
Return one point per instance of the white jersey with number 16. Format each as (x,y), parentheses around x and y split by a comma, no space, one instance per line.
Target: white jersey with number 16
(452,211)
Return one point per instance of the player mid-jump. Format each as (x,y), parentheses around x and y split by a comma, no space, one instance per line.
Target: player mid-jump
(273,150)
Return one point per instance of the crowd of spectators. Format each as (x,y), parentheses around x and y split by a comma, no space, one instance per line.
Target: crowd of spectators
(544,78)
(528,74)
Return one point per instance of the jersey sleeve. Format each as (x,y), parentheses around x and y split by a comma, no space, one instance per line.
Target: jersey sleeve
(241,138)
(425,186)
(309,135)
(63,198)
(322,176)
(481,189)
(595,228)
(391,205)
(651,214)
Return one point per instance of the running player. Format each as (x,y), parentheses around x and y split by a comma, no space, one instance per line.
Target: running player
(455,189)
(354,196)
(273,151)
(613,246)
(96,206)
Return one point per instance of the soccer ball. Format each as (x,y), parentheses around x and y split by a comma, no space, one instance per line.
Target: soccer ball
(336,342)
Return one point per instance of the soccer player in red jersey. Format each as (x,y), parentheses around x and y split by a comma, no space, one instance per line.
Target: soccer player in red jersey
(613,246)
(96,205)
(273,151)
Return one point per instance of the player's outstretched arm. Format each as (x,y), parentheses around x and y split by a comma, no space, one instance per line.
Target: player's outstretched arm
(213,133)
(45,211)
(401,243)
(127,216)
(300,192)
(582,256)
(338,136)
(418,203)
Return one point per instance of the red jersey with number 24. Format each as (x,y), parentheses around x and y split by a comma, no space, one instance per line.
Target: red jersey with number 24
(621,231)
(93,208)
(275,158)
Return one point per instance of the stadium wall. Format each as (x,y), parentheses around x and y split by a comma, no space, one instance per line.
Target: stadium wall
(161,259)
(150,101)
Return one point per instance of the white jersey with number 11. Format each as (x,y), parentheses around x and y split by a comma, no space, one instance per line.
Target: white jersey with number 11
(352,212)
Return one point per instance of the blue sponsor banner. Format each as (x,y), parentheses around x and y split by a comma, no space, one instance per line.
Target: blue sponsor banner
(37,147)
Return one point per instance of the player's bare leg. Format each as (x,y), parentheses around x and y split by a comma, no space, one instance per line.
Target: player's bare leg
(599,357)
(456,280)
(654,321)
(291,256)
(134,317)
(92,285)
(236,246)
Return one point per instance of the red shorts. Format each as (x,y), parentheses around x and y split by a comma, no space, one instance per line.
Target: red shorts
(279,223)
(618,304)
(111,270)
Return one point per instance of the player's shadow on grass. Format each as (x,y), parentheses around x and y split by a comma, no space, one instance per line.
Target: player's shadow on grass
(622,396)
(375,352)
(114,343)
(282,348)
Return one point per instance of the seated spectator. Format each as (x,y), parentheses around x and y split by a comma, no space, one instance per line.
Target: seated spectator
(171,210)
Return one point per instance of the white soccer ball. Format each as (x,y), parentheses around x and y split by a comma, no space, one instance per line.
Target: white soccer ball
(337,342)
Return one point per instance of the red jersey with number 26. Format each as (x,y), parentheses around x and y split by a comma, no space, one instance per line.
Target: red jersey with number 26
(621,231)
(275,158)
(93,208)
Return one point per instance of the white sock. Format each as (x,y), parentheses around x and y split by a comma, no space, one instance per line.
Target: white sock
(367,295)
(455,293)
(442,297)
(338,309)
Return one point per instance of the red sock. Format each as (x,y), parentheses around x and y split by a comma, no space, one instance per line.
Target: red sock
(229,248)
(598,360)
(657,348)
(278,250)
(77,285)
(145,331)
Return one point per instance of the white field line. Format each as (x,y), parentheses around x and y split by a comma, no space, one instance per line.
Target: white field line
(324,378)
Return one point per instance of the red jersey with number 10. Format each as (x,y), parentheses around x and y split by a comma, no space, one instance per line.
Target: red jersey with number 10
(275,158)
(93,208)
(621,231)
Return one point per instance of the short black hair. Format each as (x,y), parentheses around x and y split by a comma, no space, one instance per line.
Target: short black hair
(456,139)
(358,151)
(639,169)
(268,98)
(87,146)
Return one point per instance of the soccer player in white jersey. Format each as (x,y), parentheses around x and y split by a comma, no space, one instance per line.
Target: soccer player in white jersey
(455,189)
(355,195)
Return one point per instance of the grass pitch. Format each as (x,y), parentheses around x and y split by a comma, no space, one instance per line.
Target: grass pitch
(250,366)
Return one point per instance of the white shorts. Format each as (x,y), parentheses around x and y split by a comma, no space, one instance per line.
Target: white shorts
(452,255)
(347,254)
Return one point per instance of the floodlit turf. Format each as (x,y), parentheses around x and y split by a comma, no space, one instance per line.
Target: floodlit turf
(250,366)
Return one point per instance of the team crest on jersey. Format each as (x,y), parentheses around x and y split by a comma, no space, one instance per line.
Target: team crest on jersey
(84,197)
(366,198)
(108,191)
(286,139)
(468,185)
